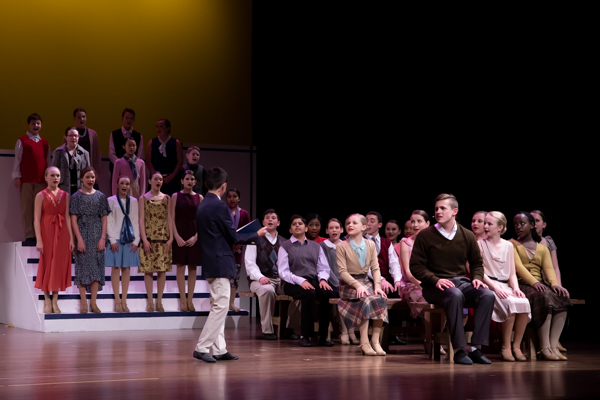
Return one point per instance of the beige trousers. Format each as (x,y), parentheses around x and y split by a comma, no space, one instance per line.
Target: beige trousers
(213,333)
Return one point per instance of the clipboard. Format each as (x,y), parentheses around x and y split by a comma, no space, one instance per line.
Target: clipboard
(250,227)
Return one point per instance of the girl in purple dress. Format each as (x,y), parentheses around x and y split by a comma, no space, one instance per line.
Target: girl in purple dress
(186,251)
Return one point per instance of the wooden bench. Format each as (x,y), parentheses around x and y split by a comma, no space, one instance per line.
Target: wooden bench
(251,296)
(280,316)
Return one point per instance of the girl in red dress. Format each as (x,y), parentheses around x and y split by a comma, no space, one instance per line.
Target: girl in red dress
(52,226)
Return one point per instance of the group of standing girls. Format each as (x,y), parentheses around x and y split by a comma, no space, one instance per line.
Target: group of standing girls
(105,232)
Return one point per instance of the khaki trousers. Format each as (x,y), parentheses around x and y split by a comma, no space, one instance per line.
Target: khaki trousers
(27,202)
(213,333)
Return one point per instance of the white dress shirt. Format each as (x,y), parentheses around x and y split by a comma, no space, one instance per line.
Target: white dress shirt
(283,265)
(252,269)
(394,264)
(448,235)
(19,154)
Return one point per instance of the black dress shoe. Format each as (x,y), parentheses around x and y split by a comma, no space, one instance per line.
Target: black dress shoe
(293,336)
(393,339)
(326,342)
(478,357)
(304,342)
(460,357)
(204,357)
(225,357)
(270,336)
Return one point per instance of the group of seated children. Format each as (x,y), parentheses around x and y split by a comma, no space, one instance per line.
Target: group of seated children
(443,264)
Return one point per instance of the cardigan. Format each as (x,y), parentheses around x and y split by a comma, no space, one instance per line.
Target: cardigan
(434,257)
(349,265)
(122,168)
(114,221)
(529,270)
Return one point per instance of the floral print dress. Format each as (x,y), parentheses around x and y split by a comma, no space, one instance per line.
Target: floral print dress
(156,224)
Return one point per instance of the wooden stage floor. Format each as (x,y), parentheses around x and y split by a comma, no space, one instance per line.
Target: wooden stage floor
(159,364)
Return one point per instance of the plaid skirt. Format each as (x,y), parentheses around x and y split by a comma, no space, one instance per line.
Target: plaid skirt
(354,311)
(542,302)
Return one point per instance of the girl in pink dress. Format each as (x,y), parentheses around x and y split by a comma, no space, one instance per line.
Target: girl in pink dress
(411,287)
(511,307)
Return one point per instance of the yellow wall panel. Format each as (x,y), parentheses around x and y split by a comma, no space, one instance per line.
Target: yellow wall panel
(185,60)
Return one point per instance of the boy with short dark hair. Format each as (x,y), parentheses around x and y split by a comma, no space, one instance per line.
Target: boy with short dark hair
(217,237)
(391,274)
(32,157)
(304,268)
(263,275)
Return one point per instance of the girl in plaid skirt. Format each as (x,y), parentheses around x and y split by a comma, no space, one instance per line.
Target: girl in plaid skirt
(361,299)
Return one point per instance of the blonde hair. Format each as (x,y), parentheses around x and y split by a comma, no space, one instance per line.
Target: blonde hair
(501,220)
(362,218)
(447,196)
(48,170)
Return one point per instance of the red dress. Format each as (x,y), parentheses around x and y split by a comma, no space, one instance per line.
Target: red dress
(54,269)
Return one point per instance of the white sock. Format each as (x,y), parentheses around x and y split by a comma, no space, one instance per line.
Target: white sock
(476,347)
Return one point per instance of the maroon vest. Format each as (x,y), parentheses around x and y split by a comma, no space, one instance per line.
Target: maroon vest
(33,162)
(384,259)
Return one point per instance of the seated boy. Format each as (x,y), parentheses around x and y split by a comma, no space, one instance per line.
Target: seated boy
(438,260)
(261,268)
(32,157)
(305,270)
(391,274)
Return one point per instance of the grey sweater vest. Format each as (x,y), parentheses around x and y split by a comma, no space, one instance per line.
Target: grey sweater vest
(334,277)
(302,258)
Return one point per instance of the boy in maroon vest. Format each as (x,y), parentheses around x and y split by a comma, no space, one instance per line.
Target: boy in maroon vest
(32,156)
(389,267)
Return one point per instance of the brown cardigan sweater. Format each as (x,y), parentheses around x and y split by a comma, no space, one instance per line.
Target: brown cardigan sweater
(349,265)
(434,257)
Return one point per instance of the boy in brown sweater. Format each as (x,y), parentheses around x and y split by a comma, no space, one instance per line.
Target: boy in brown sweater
(438,260)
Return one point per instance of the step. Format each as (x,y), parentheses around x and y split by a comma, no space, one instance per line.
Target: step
(133,321)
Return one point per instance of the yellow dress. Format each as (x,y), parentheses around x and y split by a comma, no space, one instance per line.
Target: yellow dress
(156,224)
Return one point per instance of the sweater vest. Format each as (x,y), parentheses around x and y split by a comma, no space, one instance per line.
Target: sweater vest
(330,253)
(384,259)
(162,164)
(302,258)
(33,162)
(119,142)
(265,262)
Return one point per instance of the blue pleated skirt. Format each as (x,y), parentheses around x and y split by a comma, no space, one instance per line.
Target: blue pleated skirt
(123,257)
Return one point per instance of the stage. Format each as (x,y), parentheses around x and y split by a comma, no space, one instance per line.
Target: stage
(159,364)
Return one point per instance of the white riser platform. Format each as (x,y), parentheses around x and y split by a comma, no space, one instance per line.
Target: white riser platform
(23,305)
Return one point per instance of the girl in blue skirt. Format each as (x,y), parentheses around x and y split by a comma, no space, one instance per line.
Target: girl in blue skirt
(123,237)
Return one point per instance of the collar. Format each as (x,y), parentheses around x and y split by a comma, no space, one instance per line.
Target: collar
(443,231)
(355,246)
(270,237)
(329,244)
(126,133)
(376,238)
(32,136)
(294,240)
(165,142)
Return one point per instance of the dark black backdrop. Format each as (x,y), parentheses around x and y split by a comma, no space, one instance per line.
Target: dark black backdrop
(359,110)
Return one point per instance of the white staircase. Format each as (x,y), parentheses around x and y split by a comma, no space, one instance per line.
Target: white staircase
(23,305)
